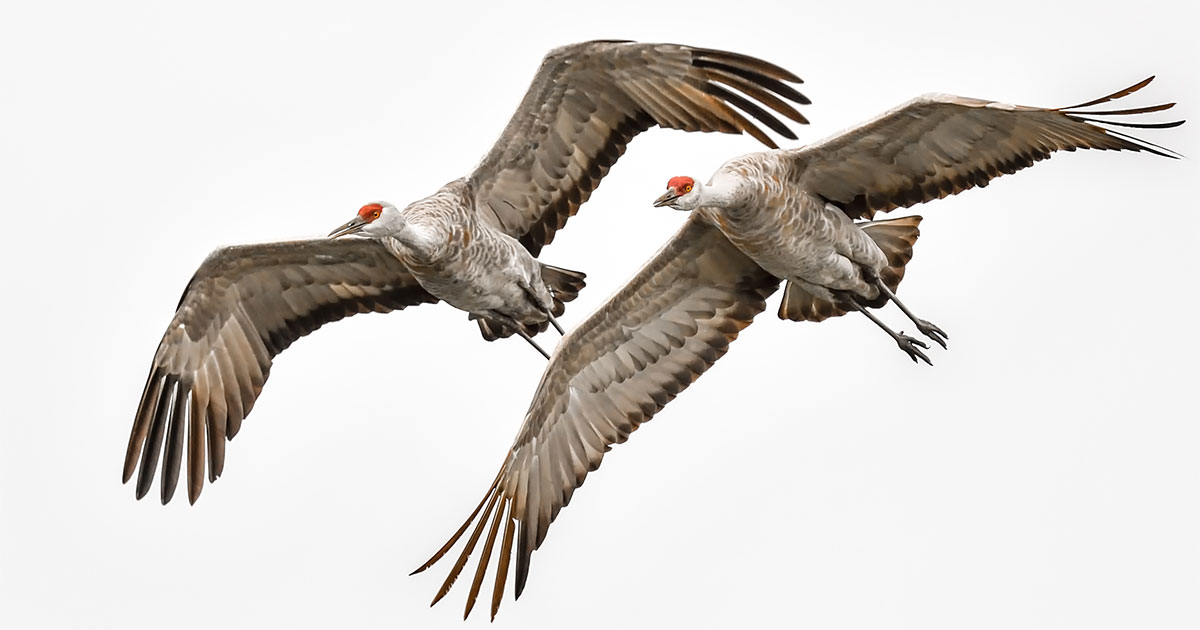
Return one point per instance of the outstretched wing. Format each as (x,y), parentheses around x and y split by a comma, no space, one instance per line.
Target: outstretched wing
(612,373)
(939,145)
(589,100)
(245,305)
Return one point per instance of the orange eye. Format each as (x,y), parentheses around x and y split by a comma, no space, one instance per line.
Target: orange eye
(375,215)
(687,188)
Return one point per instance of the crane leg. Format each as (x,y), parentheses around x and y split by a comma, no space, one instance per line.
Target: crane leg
(906,343)
(526,337)
(926,328)
(515,325)
(554,322)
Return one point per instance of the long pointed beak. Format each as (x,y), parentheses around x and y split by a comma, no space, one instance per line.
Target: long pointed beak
(352,226)
(666,199)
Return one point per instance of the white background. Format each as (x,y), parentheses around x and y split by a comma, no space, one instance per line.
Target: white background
(1042,474)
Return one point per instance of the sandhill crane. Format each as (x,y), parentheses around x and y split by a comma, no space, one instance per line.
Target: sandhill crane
(681,311)
(793,211)
(246,304)
(472,267)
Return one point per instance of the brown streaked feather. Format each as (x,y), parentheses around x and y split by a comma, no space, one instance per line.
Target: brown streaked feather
(243,306)
(614,372)
(939,145)
(505,557)
(587,102)
(484,557)
(195,454)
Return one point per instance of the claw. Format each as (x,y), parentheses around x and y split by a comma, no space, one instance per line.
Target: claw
(933,332)
(909,345)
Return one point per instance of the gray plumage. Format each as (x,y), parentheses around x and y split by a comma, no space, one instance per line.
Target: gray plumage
(585,104)
(793,211)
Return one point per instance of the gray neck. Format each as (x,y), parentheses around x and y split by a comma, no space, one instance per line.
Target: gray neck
(726,193)
(415,241)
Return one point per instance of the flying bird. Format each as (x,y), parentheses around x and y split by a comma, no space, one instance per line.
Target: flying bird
(469,265)
(792,211)
(246,304)
(764,218)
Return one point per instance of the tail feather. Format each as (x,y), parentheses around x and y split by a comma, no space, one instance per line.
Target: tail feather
(895,237)
(493,330)
(564,286)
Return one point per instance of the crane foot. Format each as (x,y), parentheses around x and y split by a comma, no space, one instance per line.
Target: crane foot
(909,345)
(931,331)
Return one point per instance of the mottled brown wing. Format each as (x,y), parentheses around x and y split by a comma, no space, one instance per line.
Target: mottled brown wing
(939,145)
(245,305)
(612,373)
(589,100)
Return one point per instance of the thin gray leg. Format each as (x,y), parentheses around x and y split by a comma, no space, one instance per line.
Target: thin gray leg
(515,325)
(554,322)
(926,328)
(906,343)
(548,309)
(526,337)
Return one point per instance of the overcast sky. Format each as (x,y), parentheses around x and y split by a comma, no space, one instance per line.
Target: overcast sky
(1043,473)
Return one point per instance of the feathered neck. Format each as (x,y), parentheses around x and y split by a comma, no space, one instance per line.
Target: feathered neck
(722,192)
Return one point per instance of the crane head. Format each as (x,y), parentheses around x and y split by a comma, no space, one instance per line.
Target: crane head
(367,215)
(677,189)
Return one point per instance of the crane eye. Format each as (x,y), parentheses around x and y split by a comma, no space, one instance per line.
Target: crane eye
(374,215)
(687,188)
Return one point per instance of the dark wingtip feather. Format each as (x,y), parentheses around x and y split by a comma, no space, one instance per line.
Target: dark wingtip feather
(154,437)
(1146,145)
(1134,125)
(749,107)
(141,423)
(1114,96)
(740,77)
(523,553)
(174,443)
(1132,110)
(751,63)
